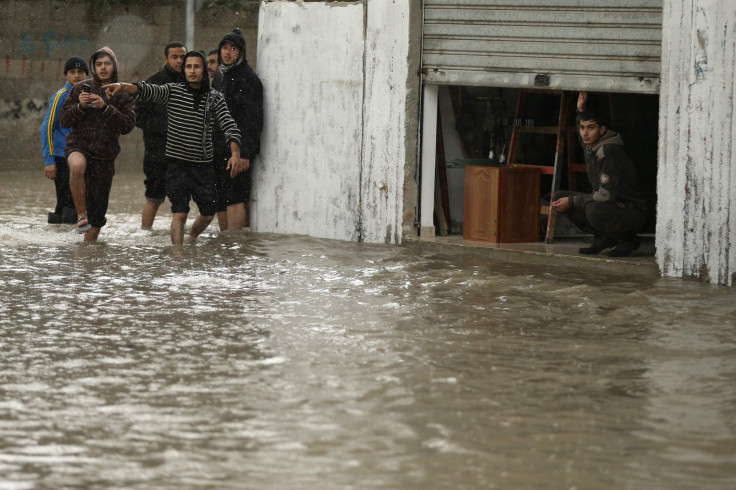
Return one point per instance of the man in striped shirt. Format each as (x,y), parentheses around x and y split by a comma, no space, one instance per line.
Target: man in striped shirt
(193,109)
(53,142)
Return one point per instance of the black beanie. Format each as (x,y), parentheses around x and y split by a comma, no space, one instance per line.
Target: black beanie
(76,62)
(236,38)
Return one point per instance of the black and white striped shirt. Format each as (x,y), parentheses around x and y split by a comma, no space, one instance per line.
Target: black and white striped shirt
(187,138)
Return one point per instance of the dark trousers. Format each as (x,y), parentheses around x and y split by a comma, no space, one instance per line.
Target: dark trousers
(98,179)
(616,220)
(154,168)
(231,190)
(61,182)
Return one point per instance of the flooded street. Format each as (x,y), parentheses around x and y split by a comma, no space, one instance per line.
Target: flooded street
(273,362)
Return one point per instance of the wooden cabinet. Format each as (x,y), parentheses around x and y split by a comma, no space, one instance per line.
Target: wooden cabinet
(501,204)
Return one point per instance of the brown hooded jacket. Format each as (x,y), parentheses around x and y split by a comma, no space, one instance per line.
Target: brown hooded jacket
(96,131)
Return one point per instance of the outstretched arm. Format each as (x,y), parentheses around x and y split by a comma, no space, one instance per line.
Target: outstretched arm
(113,88)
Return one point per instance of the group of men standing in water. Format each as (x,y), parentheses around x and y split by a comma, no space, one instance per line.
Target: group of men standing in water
(200,140)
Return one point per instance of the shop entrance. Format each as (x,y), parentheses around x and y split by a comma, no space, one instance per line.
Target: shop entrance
(475,128)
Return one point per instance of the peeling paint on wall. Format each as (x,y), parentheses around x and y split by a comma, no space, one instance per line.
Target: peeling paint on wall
(333,147)
(382,175)
(307,178)
(696,222)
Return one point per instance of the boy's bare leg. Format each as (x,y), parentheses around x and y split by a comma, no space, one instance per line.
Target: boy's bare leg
(149,214)
(77,167)
(92,234)
(222,220)
(236,216)
(177,228)
(199,225)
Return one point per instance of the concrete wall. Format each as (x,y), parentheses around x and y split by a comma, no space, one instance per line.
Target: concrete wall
(696,214)
(337,150)
(37,36)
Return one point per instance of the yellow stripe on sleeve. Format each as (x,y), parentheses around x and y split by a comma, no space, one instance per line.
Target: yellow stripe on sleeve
(52,117)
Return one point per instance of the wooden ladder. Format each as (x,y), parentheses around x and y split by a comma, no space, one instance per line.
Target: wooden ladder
(521,126)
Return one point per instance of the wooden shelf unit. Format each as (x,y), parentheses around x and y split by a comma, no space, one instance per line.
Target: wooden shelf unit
(502,204)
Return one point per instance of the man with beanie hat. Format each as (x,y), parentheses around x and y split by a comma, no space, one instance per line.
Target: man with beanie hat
(193,111)
(53,142)
(152,119)
(243,93)
(97,121)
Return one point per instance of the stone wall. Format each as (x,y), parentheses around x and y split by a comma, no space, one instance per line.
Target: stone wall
(37,36)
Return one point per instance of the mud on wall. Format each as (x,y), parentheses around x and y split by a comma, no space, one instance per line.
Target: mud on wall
(696,212)
(37,36)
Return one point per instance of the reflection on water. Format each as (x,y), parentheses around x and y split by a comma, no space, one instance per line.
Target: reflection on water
(260,361)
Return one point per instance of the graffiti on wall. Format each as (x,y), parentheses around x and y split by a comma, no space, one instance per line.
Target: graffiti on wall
(52,41)
(31,108)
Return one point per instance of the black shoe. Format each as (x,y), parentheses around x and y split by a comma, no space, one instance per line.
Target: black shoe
(69,216)
(599,244)
(624,249)
(54,219)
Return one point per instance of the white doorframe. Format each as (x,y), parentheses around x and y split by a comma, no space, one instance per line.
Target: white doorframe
(429,155)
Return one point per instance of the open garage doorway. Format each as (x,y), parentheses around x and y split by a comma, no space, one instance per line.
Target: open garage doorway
(483,126)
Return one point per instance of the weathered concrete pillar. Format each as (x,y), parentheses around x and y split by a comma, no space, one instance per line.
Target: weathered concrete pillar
(696,211)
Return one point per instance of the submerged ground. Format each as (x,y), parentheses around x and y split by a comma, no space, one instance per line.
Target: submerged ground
(264,361)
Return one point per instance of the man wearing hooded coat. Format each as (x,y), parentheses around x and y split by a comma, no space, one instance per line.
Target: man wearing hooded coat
(193,111)
(243,93)
(97,120)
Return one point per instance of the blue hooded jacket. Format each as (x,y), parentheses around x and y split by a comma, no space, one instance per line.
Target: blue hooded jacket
(53,136)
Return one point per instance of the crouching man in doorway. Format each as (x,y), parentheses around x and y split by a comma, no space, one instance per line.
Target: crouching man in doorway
(192,108)
(96,120)
(616,210)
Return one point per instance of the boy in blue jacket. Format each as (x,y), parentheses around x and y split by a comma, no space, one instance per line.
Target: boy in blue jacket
(53,142)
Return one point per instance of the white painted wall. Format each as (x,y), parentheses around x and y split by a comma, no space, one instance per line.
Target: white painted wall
(310,60)
(382,176)
(696,212)
(333,148)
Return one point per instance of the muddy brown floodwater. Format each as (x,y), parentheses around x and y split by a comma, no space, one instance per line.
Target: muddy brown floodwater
(271,362)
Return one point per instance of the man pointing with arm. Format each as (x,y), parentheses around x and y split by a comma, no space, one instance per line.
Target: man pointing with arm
(193,109)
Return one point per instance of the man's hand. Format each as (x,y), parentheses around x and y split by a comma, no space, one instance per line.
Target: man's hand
(113,88)
(97,101)
(582,101)
(235,165)
(561,205)
(85,99)
(50,171)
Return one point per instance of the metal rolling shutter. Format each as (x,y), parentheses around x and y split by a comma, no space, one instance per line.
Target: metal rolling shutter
(604,45)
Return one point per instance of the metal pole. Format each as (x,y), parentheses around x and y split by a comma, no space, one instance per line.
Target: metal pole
(190,25)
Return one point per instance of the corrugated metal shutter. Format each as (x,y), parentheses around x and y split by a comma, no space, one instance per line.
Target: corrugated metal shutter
(606,45)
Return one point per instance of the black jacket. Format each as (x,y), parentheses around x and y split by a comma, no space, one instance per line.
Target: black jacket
(243,93)
(152,118)
(611,173)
